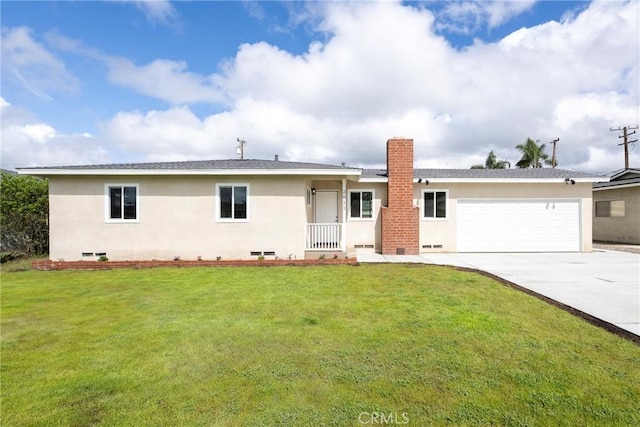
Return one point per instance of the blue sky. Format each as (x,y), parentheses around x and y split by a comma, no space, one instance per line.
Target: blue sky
(124,81)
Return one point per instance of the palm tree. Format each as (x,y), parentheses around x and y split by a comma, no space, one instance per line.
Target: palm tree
(533,155)
(492,162)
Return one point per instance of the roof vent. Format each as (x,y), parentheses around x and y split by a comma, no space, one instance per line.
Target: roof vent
(276,157)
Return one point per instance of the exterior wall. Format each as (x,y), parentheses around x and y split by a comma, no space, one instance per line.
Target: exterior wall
(624,229)
(400,219)
(444,231)
(362,233)
(177,217)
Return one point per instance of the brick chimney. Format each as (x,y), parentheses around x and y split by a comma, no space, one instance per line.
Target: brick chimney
(400,219)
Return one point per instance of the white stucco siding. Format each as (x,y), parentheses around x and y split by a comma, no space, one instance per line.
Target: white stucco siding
(366,232)
(443,232)
(177,217)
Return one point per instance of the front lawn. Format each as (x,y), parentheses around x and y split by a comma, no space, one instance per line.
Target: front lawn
(416,345)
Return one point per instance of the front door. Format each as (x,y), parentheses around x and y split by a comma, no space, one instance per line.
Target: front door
(326,208)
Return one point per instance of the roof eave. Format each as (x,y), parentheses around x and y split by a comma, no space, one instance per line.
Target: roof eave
(624,172)
(490,180)
(508,180)
(183,172)
(616,187)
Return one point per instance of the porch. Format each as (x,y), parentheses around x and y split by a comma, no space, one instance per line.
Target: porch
(325,237)
(325,232)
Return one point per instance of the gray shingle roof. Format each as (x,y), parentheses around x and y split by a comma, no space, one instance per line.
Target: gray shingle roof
(617,183)
(275,165)
(200,165)
(531,173)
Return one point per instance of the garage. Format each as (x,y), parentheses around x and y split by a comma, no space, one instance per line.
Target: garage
(517,225)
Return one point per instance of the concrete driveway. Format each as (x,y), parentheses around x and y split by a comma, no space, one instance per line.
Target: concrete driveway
(604,284)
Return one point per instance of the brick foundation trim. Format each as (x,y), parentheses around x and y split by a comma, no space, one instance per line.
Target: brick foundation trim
(108,265)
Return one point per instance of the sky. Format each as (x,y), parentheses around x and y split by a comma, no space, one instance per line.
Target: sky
(89,82)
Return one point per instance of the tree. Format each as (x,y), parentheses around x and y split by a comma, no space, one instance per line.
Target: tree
(533,155)
(492,162)
(24,213)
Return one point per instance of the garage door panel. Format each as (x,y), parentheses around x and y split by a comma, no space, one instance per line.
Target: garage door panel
(518,225)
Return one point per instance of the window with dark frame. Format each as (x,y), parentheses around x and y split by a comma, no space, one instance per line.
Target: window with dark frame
(435,204)
(233,201)
(361,204)
(123,202)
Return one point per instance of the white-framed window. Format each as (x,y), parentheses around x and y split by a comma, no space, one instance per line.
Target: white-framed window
(610,208)
(232,202)
(435,204)
(361,204)
(309,197)
(122,202)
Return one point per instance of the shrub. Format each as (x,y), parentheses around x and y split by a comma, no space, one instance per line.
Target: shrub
(10,256)
(24,213)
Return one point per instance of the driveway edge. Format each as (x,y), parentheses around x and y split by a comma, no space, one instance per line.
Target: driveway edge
(610,327)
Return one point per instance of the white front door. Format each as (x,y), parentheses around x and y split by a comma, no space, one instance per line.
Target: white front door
(326,207)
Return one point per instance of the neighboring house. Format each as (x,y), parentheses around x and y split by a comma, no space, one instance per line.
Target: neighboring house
(242,209)
(616,211)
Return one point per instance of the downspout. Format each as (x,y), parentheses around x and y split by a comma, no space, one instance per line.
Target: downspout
(343,235)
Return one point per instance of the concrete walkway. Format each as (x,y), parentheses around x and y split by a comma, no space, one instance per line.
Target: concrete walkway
(604,284)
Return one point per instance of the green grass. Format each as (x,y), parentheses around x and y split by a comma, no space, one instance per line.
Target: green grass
(302,346)
(23,263)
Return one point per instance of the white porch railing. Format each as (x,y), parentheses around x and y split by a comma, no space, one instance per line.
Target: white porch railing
(324,237)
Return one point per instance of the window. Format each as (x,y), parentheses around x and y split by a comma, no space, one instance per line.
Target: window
(121,202)
(233,202)
(435,204)
(610,208)
(361,204)
(308,197)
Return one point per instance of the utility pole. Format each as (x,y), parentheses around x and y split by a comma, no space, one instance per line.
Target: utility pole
(625,134)
(240,148)
(553,156)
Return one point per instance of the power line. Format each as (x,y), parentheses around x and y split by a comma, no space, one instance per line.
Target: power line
(625,134)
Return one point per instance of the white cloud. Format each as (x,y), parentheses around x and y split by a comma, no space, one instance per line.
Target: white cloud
(166,133)
(382,71)
(157,11)
(394,67)
(39,132)
(27,142)
(164,79)
(401,78)
(27,63)
(467,17)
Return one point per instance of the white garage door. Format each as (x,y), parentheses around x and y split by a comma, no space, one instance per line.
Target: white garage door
(518,225)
